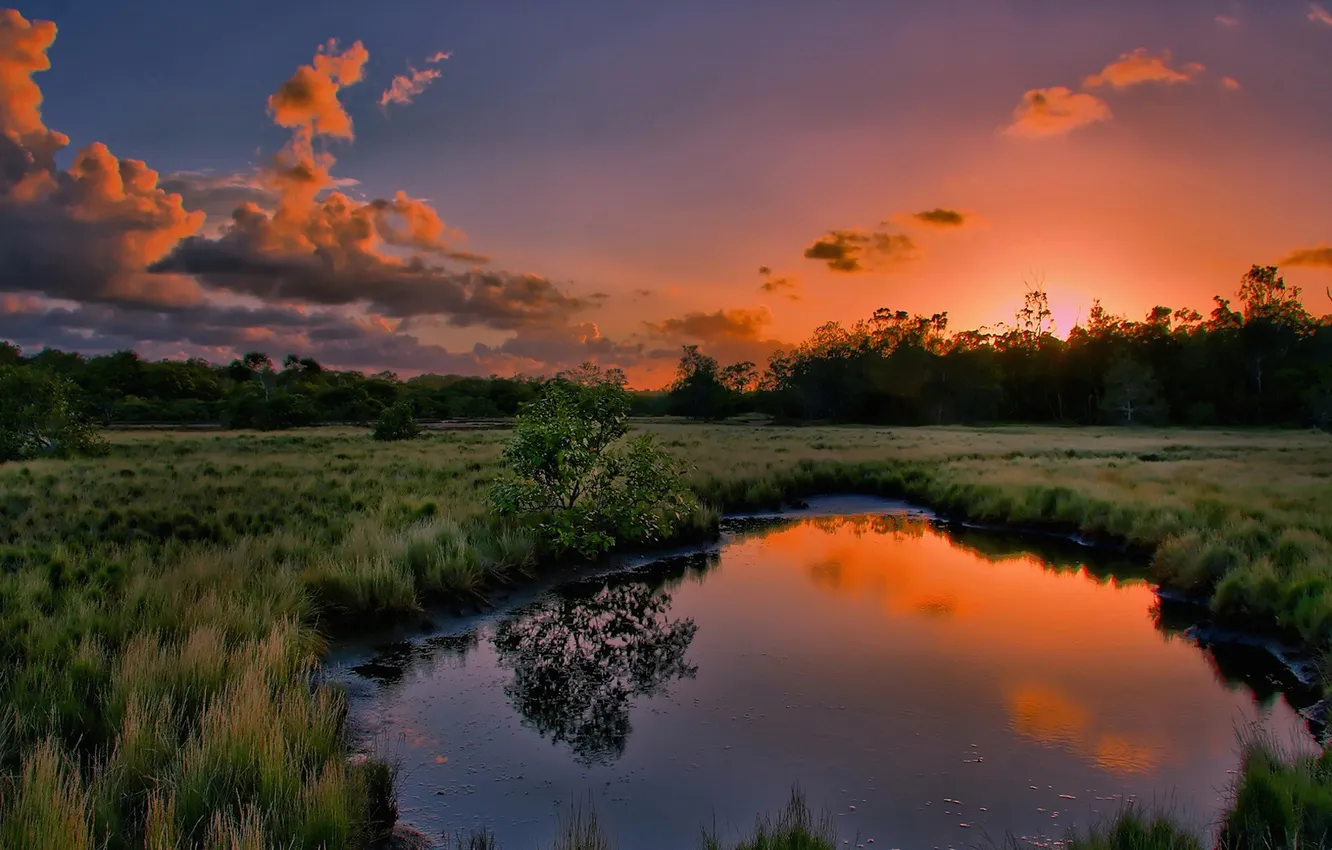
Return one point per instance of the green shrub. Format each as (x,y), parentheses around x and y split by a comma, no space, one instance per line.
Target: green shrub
(587,488)
(38,417)
(396,422)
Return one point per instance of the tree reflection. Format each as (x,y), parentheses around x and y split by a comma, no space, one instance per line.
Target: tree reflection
(579,661)
(392,662)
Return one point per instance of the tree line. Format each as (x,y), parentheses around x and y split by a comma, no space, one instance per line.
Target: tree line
(254,392)
(1265,360)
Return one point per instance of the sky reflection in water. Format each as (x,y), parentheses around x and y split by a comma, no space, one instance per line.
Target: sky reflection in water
(925,687)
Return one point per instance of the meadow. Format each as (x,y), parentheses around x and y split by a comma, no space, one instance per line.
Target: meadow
(163,609)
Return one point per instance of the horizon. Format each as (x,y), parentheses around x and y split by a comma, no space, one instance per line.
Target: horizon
(517,190)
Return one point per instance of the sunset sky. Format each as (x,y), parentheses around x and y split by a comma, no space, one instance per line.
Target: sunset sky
(605,180)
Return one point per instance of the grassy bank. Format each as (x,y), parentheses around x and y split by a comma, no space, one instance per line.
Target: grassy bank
(163,609)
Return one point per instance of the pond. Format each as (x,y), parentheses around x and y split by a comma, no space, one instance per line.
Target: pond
(928,686)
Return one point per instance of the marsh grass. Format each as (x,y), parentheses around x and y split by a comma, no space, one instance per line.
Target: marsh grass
(795,827)
(1135,829)
(1282,798)
(579,829)
(163,608)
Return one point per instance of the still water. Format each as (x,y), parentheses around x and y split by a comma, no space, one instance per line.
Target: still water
(929,689)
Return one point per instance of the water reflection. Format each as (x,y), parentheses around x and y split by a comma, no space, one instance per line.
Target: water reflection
(888,663)
(1048,715)
(392,662)
(577,663)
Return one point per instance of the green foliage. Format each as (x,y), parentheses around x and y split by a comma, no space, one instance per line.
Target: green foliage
(38,417)
(396,422)
(588,488)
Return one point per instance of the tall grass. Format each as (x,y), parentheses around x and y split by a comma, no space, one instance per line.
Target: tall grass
(796,827)
(1133,829)
(1282,799)
(163,608)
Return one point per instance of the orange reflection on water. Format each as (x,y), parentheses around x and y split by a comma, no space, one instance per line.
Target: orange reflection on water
(1073,661)
(1043,713)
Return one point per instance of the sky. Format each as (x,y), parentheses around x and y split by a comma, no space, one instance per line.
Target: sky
(517,187)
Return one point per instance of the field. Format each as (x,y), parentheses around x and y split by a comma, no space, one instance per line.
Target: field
(163,609)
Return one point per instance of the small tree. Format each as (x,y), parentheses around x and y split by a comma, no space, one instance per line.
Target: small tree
(38,416)
(572,470)
(396,422)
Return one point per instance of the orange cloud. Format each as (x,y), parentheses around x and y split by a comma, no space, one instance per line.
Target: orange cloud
(87,232)
(308,101)
(23,47)
(853,251)
(723,324)
(1055,111)
(1139,67)
(1320,257)
(438,56)
(407,86)
(1319,14)
(1230,83)
(322,246)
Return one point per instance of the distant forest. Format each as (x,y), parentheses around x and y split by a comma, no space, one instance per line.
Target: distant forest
(1265,361)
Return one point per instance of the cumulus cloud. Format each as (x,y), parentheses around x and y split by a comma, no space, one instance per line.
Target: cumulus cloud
(308,101)
(439,56)
(1055,111)
(104,255)
(28,146)
(774,284)
(89,231)
(1320,257)
(940,217)
(861,251)
(1320,15)
(1139,67)
(319,245)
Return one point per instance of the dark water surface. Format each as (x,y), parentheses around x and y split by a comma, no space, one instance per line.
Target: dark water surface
(928,688)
